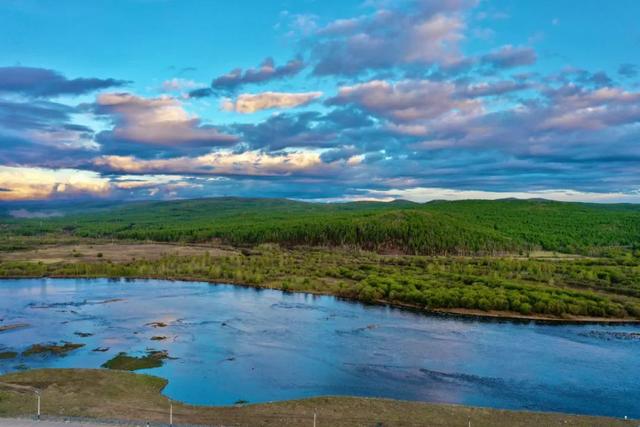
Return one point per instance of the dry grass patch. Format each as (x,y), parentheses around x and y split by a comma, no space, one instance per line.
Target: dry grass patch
(121,395)
(114,252)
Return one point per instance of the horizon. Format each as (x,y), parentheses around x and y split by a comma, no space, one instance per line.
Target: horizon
(375,100)
(43,209)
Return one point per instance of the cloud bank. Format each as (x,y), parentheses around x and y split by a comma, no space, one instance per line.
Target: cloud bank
(415,99)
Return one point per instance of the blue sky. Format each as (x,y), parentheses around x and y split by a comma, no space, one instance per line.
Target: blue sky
(320,100)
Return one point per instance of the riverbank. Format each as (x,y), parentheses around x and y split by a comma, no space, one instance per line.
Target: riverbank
(453,312)
(113,395)
(493,288)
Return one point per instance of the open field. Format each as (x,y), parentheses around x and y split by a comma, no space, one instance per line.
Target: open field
(98,251)
(104,394)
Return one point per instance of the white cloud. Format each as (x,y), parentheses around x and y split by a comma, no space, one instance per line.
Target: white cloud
(247,103)
(24,183)
(176,85)
(157,121)
(222,162)
(425,194)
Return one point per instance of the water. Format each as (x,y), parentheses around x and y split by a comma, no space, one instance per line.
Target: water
(233,343)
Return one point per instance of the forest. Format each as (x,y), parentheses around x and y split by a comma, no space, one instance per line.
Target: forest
(436,228)
(531,258)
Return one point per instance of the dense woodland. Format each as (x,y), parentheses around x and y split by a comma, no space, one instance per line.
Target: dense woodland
(477,255)
(436,228)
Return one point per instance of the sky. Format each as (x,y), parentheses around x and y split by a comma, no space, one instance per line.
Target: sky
(323,100)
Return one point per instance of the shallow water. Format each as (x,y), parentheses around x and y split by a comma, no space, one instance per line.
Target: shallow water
(233,343)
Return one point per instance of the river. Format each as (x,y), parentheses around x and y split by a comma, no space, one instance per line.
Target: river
(231,343)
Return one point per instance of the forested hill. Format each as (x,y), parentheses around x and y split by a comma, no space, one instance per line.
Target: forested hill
(435,228)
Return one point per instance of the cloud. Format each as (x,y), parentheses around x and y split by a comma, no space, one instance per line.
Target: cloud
(42,82)
(414,32)
(134,182)
(153,122)
(576,109)
(628,70)
(222,162)
(572,75)
(153,186)
(267,71)
(413,115)
(177,84)
(422,194)
(501,87)
(510,57)
(42,133)
(26,183)
(201,92)
(250,103)
(349,153)
(306,129)
(407,100)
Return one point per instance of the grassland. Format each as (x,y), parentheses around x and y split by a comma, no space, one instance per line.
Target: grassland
(125,362)
(104,394)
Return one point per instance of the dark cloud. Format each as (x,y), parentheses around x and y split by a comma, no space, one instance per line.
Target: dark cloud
(32,115)
(305,130)
(42,133)
(201,93)
(628,70)
(582,77)
(286,130)
(20,151)
(510,57)
(599,79)
(492,88)
(42,82)
(343,153)
(267,71)
(348,118)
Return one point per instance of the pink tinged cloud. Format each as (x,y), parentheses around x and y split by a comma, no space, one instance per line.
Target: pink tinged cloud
(426,194)
(421,32)
(581,110)
(248,103)
(227,162)
(156,121)
(25,183)
(408,100)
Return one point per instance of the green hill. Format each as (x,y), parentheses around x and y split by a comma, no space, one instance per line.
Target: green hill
(436,228)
